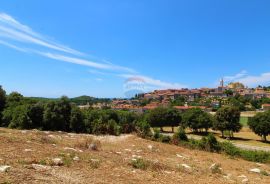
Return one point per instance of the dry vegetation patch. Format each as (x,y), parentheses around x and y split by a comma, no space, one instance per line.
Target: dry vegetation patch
(123,159)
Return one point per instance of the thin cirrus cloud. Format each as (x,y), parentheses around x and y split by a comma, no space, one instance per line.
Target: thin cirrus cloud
(153,83)
(13,34)
(249,80)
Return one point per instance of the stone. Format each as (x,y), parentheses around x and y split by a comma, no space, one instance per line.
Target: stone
(70,149)
(245,180)
(255,170)
(186,166)
(76,158)
(215,168)
(58,161)
(28,150)
(93,147)
(40,167)
(4,168)
(150,147)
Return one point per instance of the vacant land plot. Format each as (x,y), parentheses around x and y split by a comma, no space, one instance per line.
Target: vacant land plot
(57,157)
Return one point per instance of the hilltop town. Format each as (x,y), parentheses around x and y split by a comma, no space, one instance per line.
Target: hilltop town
(208,99)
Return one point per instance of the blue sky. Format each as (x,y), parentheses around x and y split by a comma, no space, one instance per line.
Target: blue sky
(52,48)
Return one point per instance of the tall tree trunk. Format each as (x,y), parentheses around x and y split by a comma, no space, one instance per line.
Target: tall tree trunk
(172,129)
(222,134)
(264,138)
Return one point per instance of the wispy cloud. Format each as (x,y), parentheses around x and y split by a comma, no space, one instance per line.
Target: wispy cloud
(14,34)
(249,80)
(12,29)
(237,76)
(153,83)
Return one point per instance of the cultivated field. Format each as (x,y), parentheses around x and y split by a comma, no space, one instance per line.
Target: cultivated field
(57,157)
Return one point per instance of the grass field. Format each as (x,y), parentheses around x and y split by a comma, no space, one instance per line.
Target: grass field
(244,121)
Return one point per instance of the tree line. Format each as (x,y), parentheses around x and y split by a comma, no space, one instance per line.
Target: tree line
(62,114)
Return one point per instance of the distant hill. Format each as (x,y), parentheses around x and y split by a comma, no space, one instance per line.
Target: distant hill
(81,100)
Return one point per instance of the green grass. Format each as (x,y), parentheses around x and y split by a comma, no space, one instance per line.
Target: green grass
(244,121)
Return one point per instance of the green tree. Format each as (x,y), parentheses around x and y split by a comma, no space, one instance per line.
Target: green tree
(76,120)
(260,124)
(161,117)
(57,115)
(20,118)
(2,99)
(14,99)
(196,119)
(35,113)
(228,118)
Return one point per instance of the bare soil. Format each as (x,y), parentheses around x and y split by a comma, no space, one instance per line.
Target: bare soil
(112,162)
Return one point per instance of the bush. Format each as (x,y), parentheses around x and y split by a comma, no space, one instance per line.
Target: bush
(157,134)
(210,143)
(229,149)
(143,129)
(165,139)
(140,164)
(180,135)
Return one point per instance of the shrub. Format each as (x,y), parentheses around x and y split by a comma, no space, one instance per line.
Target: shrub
(157,134)
(143,129)
(88,143)
(140,164)
(165,139)
(210,143)
(180,135)
(229,149)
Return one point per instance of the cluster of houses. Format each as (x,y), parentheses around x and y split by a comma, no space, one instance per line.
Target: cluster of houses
(164,97)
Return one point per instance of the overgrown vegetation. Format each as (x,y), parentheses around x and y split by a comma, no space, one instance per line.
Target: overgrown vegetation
(209,143)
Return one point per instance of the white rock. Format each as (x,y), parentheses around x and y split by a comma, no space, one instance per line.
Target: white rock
(94,160)
(23,131)
(70,149)
(167,172)
(118,152)
(242,176)
(150,147)
(58,161)
(228,176)
(129,150)
(245,180)
(76,158)
(28,150)
(40,167)
(5,168)
(139,151)
(186,166)
(259,164)
(255,170)
(136,156)
(93,147)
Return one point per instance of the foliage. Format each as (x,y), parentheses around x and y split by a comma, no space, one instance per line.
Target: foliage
(260,124)
(2,99)
(140,164)
(227,118)
(76,120)
(143,129)
(180,135)
(197,119)
(161,117)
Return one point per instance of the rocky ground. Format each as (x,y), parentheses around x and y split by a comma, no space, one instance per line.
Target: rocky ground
(58,157)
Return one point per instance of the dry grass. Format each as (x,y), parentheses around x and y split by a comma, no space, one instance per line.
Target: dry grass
(113,163)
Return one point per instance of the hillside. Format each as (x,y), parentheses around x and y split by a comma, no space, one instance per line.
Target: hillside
(58,157)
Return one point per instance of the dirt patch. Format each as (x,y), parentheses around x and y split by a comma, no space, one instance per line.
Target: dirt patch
(115,162)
